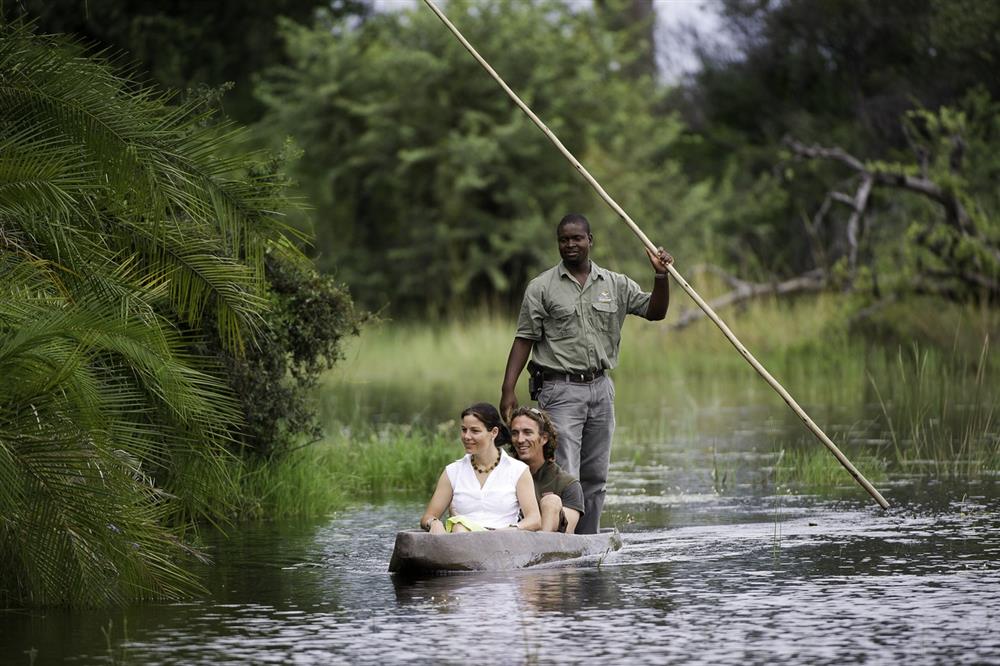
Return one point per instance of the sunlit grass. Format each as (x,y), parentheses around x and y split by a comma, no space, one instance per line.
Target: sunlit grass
(430,371)
(327,475)
(453,352)
(413,373)
(391,406)
(816,467)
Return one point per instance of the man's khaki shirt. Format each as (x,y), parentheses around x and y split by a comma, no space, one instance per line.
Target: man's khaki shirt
(578,328)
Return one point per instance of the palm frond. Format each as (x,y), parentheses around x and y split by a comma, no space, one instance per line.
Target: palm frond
(101,415)
(115,160)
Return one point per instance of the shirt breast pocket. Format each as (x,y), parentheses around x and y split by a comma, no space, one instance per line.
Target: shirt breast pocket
(606,315)
(560,323)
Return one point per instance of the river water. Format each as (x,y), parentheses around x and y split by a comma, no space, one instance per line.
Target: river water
(722,564)
(743,577)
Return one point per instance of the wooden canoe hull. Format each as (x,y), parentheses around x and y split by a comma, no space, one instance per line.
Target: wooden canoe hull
(419,552)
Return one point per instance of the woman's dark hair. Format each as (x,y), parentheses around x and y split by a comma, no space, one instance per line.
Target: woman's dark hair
(545,427)
(490,417)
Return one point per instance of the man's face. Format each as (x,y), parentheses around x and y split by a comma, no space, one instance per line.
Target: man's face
(574,243)
(527,440)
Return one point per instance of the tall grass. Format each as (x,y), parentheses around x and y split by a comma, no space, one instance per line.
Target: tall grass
(327,475)
(816,468)
(390,408)
(939,420)
(424,373)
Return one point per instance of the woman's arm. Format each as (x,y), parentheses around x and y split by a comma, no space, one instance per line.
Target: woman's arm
(431,520)
(532,520)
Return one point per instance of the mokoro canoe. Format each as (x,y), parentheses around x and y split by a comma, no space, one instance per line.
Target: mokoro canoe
(418,552)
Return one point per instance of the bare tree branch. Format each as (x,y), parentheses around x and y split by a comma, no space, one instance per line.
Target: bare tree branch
(859,204)
(814,280)
(840,197)
(973,270)
(730,279)
(957,215)
(813,228)
(820,152)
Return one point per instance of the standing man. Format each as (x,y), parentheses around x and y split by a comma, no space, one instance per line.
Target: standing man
(570,324)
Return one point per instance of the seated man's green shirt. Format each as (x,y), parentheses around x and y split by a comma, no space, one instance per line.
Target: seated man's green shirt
(551,478)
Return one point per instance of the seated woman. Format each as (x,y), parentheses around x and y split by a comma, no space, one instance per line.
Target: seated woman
(486,489)
(560,495)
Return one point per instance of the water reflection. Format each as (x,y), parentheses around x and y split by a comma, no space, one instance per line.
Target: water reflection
(562,590)
(703,578)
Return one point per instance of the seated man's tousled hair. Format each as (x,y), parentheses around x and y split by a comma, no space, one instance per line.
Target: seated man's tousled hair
(545,427)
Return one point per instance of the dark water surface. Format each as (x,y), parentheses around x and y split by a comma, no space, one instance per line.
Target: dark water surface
(703,578)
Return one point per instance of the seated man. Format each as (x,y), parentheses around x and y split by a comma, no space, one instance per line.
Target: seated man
(560,495)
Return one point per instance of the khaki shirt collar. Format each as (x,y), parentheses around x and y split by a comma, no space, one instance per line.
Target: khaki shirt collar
(596,273)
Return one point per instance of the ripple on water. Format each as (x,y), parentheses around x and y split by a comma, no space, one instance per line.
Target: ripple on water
(721,580)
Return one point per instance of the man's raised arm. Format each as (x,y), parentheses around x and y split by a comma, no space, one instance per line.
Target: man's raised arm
(660,298)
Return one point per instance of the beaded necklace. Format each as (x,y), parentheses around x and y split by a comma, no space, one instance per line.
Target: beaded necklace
(485,470)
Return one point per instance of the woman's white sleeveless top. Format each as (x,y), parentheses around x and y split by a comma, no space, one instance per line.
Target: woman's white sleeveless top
(495,504)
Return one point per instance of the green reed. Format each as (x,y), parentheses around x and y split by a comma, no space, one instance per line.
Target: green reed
(327,475)
(815,467)
(391,406)
(940,420)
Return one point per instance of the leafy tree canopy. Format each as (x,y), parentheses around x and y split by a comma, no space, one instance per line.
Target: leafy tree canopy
(877,80)
(807,67)
(432,190)
(182,45)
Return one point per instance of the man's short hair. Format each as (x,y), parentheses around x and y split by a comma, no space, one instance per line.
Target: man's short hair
(573,218)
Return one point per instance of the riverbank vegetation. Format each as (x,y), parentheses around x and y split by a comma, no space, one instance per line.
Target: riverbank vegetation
(172,301)
(148,285)
(896,409)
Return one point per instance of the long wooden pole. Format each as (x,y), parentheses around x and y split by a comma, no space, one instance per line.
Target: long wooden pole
(810,424)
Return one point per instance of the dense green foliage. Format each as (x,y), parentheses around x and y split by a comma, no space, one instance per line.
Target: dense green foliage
(845,71)
(160,326)
(184,45)
(430,191)
(132,238)
(908,89)
(420,165)
(308,316)
(433,192)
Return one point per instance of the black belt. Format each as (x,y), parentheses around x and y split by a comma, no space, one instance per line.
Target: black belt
(575,376)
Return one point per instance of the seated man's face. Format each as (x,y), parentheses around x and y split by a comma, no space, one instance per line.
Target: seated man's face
(528,442)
